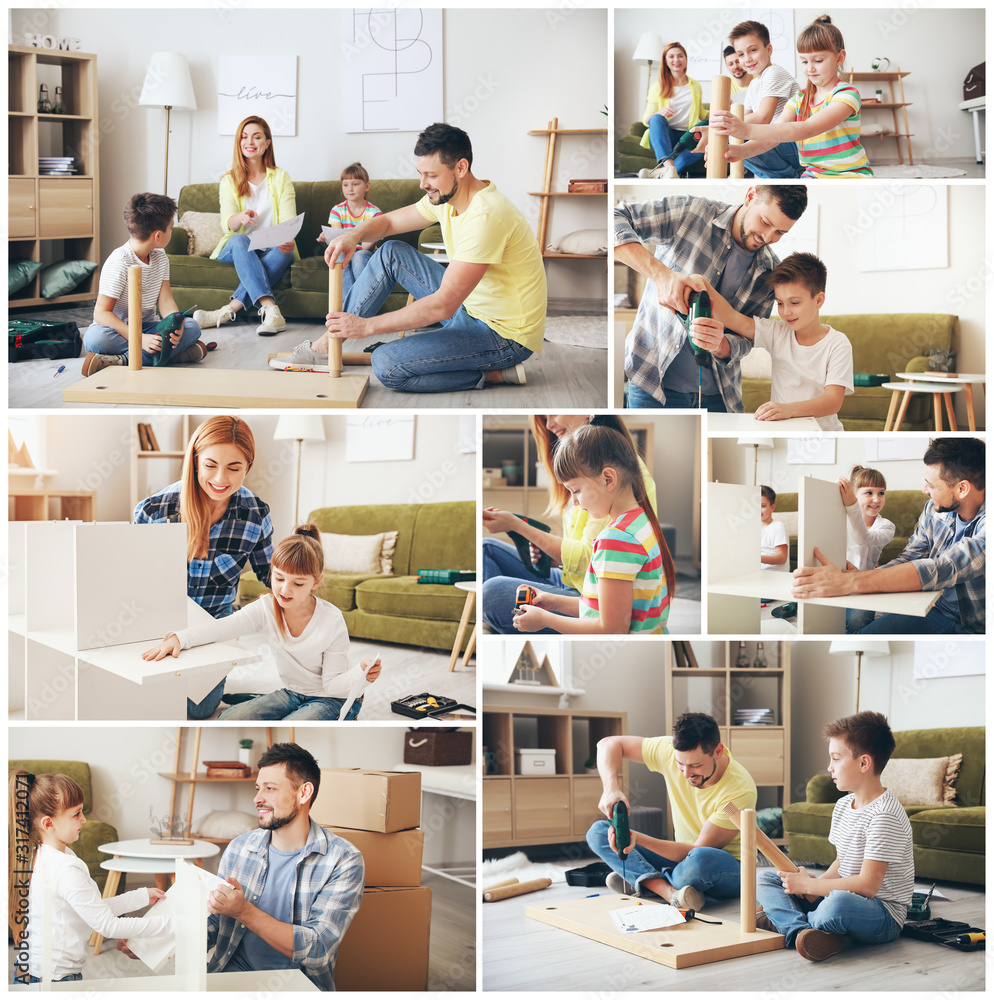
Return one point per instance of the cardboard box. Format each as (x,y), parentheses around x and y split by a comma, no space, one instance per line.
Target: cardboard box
(380,801)
(391,859)
(386,945)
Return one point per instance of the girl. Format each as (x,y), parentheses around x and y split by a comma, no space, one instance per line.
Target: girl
(823,119)
(306,634)
(227,525)
(864,494)
(630,579)
(254,194)
(45,817)
(503,571)
(673,105)
(348,214)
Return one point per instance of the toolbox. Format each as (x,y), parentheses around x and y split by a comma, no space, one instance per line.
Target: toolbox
(427,706)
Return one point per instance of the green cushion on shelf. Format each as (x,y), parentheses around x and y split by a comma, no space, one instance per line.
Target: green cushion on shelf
(62,277)
(20,273)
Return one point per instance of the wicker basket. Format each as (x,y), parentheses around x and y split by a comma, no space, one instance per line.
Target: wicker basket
(438,747)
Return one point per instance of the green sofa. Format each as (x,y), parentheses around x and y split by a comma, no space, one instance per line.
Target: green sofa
(882,343)
(94,832)
(303,291)
(948,842)
(903,507)
(397,608)
(632,156)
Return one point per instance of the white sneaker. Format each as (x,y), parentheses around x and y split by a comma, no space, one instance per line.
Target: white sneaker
(665,172)
(206,318)
(302,356)
(272,321)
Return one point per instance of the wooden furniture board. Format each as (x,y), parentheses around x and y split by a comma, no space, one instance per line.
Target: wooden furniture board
(746,423)
(16,567)
(734,535)
(821,524)
(48,557)
(681,947)
(188,385)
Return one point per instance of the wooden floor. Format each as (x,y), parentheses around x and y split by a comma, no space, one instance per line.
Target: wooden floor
(523,954)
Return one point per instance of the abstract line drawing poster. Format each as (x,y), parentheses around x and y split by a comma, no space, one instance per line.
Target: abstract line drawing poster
(904,228)
(393,69)
(266,87)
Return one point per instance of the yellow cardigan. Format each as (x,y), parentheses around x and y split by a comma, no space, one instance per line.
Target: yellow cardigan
(654,102)
(280,192)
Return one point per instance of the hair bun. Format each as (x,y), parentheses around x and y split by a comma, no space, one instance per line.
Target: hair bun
(824,19)
(308,529)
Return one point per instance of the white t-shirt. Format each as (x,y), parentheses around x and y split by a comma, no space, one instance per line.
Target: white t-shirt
(863,544)
(77,910)
(261,203)
(315,664)
(803,372)
(774,535)
(114,280)
(774,81)
(680,101)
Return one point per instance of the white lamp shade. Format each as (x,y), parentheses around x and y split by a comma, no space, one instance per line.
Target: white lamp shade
(291,427)
(650,46)
(764,444)
(167,83)
(849,647)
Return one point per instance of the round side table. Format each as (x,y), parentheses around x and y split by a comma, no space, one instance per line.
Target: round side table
(940,394)
(968,381)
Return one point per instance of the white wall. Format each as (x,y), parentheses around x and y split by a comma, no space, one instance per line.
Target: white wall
(937,47)
(505,72)
(674,448)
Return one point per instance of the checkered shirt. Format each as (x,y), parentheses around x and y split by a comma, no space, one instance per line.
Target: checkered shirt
(694,237)
(326,890)
(244,533)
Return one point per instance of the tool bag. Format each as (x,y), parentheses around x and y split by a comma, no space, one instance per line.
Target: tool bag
(32,340)
(975,84)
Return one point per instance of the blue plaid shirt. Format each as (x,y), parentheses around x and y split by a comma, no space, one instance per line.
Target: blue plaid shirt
(941,564)
(695,237)
(244,533)
(327,891)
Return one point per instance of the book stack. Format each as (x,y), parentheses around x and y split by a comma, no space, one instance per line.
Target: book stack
(448,576)
(57,166)
(146,438)
(754,717)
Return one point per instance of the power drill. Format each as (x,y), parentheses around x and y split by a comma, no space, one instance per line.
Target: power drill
(699,307)
(166,326)
(622,833)
(689,140)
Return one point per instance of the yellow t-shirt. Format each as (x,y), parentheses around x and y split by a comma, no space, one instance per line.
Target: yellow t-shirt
(693,807)
(511,297)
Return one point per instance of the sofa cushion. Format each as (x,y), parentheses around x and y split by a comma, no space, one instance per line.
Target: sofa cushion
(339,589)
(928,781)
(445,537)
(967,740)
(404,597)
(960,829)
(359,553)
(203,231)
(367,519)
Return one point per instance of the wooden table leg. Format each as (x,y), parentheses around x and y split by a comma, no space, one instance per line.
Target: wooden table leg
(971,417)
(937,410)
(471,645)
(467,608)
(902,410)
(162,881)
(892,409)
(110,889)
(950,413)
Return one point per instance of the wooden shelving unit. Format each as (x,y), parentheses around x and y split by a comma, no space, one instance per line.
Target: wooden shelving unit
(521,809)
(764,751)
(897,105)
(52,218)
(139,455)
(35,505)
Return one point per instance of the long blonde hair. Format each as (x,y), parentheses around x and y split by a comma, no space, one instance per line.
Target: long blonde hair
(666,81)
(239,174)
(29,798)
(194,510)
(300,554)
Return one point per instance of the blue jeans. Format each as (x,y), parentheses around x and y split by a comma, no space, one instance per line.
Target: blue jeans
(780,161)
(640,399)
(857,620)
(207,707)
(503,573)
(259,271)
(715,872)
(936,622)
(106,340)
(663,138)
(864,920)
(286,704)
(447,360)
(73,977)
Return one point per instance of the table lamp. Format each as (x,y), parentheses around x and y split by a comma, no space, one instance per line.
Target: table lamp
(299,428)
(649,46)
(766,444)
(168,85)
(861,647)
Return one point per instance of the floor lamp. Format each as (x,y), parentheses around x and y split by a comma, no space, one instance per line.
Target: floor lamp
(649,47)
(168,85)
(757,443)
(861,647)
(299,428)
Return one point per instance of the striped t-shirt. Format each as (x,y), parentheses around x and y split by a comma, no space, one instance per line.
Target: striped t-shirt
(838,152)
(114,280)
(341,216)
(879,831)
(627,549)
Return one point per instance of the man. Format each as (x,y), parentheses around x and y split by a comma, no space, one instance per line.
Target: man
(728,245)
(490,300)
(947,551)
(701,777)
(740,78)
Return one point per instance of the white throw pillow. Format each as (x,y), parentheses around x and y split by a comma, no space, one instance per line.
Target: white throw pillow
(923,781)
(757,364)
(789,520)
(359,553)
(203,230)
(592,242)
(225,825)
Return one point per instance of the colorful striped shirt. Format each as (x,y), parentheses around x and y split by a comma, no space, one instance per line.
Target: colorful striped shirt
(342,216)
(838,152)
(627,549)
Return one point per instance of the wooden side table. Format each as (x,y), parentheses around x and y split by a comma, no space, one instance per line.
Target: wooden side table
(940,394)
(964,379)
(467,609)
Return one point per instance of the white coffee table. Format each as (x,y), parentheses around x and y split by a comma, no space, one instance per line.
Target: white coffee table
(940,393)
(967,380)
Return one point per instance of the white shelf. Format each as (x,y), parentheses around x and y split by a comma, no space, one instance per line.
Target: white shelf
(534,689)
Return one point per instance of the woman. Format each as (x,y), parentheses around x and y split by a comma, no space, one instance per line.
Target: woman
(672,107)
(227,525)
(254,194)
(503,571)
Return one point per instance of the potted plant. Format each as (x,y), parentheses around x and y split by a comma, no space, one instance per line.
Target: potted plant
(590,765)
(245,751)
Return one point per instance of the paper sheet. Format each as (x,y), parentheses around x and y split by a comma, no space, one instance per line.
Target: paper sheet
(356,690)
(274,236)
(632,919)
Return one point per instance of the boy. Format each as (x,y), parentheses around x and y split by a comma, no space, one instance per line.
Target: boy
(868,886)
(740,78)
(812,363)
(149,218)
(774,544)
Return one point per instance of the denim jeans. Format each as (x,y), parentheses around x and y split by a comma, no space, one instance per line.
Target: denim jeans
(857,620)
(780,161)
(106,340)
(663,138)
(864,920)
(936,622)
(73,977)
(206,708)
(446,360)
(715,872)
(503,573)
(639,399)
(286,704)
(259,271)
